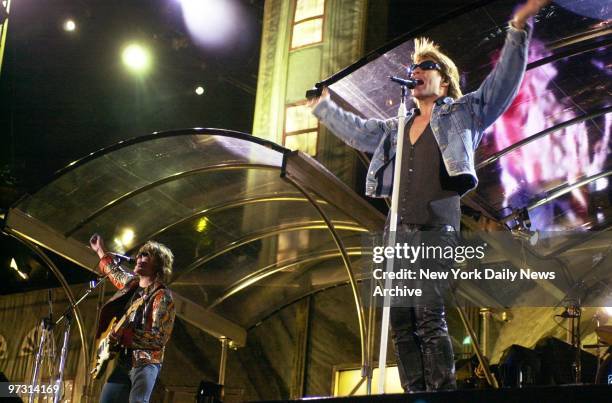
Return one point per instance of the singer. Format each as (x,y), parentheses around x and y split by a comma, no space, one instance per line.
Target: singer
(149,313)
(437,168)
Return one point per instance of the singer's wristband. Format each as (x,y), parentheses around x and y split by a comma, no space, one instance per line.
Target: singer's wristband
(514,24)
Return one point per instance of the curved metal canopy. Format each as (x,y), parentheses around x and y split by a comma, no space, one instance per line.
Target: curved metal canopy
(239,212)
(245,218)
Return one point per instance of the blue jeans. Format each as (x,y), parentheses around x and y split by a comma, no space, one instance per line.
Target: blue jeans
(133,385)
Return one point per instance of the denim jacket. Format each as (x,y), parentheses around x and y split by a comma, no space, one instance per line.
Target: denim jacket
(458,125)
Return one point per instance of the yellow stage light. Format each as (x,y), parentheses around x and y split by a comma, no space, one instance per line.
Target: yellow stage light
(136,58)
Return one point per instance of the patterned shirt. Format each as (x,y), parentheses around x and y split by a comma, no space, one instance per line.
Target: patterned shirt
(149,327)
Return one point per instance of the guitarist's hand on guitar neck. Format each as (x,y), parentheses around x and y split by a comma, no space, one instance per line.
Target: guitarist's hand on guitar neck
(114,339)
(120,337)
(118,333)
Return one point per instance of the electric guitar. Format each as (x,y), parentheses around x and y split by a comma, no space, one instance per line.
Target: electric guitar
(106,350)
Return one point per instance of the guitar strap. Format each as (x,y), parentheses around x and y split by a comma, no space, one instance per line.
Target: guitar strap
(115,307)
(142,312)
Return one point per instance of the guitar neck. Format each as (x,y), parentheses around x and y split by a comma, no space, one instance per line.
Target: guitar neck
(125,316)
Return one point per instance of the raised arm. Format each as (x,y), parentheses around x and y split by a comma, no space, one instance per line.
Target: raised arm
(497,91)
(361,134)
(118,276)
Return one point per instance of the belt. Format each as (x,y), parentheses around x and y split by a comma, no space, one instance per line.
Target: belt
(427,227)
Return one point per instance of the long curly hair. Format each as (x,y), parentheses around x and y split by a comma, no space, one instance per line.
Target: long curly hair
(163,256)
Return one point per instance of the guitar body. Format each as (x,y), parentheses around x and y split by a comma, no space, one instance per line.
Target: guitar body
(104,353)
(105,349)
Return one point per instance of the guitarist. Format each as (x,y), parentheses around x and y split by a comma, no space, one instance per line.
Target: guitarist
(142,340)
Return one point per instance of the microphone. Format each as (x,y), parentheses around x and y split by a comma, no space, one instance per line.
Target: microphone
(408,82)
(314,92)
(122,258)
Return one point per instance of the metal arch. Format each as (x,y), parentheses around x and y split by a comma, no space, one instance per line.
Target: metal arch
(375,54)
(558,192)
(197,131)
(280,266)
(347,265)
(176,176)
(271,312)
(545,132)
(227,206)
(571,244)
(264,234)
(575,47)
(60,277)
(580,37)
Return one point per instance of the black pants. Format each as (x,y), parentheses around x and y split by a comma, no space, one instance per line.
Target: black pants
(423,347)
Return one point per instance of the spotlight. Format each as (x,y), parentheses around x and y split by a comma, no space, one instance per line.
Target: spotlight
(119,247)
(14,266)
(69,25)
(124,240)
(601,184)
(202,224)
(136,58)
(211,22)
(127,237)
(199,90)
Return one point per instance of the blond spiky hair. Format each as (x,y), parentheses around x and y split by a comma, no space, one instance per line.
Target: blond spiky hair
(426,49)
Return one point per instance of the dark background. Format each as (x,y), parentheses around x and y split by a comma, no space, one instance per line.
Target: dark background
(65,94)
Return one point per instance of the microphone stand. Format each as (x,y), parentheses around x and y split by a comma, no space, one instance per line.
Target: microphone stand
(67,316)
(384,330)
(46,336)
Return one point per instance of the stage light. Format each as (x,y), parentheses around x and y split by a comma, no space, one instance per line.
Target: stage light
(608,310)
(202,224)
(69,25)
(199,90)
(14,266)
(601,184)
(127,237)
(136,58)
(601,218)
(119,245)
(210,22)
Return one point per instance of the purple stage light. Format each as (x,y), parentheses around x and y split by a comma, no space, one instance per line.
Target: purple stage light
(210,23)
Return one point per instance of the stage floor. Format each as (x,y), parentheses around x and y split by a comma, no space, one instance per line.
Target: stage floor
(540,394)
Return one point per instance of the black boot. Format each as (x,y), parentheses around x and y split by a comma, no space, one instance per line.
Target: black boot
(438,360)
(408,354)
(439,365)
